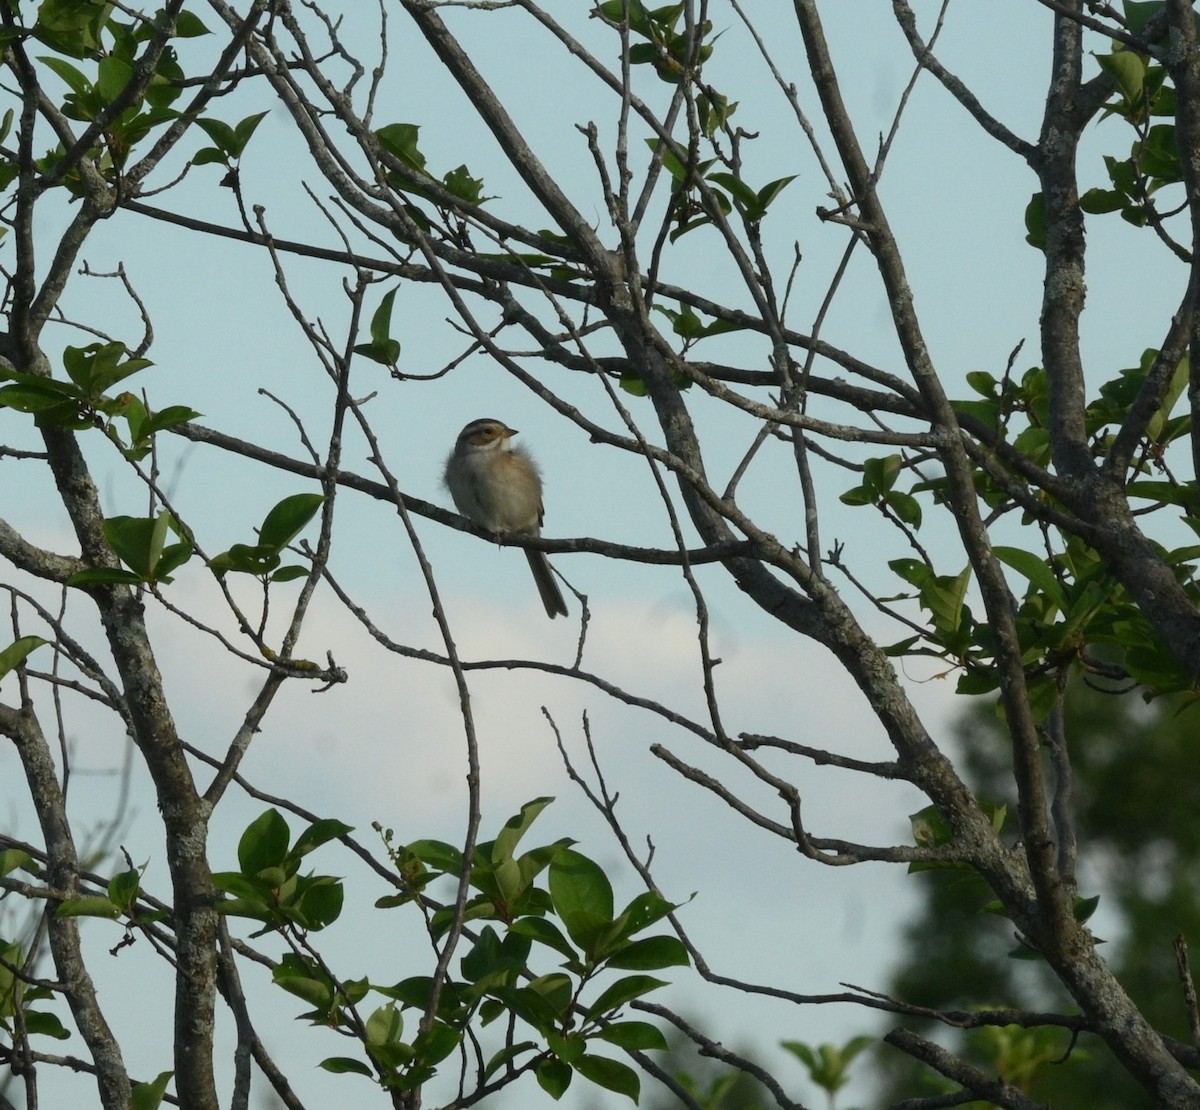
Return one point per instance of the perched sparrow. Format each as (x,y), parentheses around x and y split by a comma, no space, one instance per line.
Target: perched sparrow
(498,486)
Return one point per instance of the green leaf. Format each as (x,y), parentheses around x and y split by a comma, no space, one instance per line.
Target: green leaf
(650,954)
(123,889)
(319,901)
(434,1044)
(384,1026)
(289,574)
(634,1035)
(1085,907)
(188,25)
(1139,12)
(287,519)
(736,187)
(632,382)
(93,906)
(400,140)
(582,896)
(168,418)
(623,991)
(382,348)
(982,382)
(1035,222)
(315,992)
(859,495)
(929,828)
(13,859)
(461,184)
(771,190)
(437,854)
(905,506)
(828,1065)
(516,827)
(245,559)
(230,142)
(545,932)
(1159,153)
(484,957)
(415,991)
(99,366)
(46,1024)
(71,26)
(610,1074)
(346,1065)
(149,1096)
(506,1056)
(881,474)
(105,576)
(264,843)
(209,155)
(243,131)
(140,542)
(113,74)
(17,652)
(318,833)
(944,599)
(1034,568)
(1128,72)
(74,80)
(553,1076)
(913,571)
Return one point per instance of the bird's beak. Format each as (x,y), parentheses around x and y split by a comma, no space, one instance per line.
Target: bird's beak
(509,433)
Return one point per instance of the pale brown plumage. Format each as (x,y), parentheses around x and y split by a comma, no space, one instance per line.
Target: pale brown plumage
(497,485)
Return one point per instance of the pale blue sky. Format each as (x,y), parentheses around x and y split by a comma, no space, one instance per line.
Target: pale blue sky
(386,747)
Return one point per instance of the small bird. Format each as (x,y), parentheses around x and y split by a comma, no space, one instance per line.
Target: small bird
(497,485)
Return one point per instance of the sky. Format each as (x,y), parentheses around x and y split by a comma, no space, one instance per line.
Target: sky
(386,747)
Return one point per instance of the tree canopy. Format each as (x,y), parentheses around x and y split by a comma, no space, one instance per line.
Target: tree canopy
(666,235)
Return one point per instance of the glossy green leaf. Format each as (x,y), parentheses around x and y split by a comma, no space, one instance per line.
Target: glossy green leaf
(170,417)
(553,1076)
(1035,222)
(634,1036)
(346,1065)
(611,1075)
(140,543)
(1033,567)
(113,74)
(438,855)
(516,827)
(17,652)
(264,843)
(15,859)
(547,933)
(400,140)
(93,906)
(123,889)
(72,77)
(318,833)
(1127,70)
(149,1096)
(434,1044)
(188,25)
(623,991)
(287,519)
(319,901)
(650,954)
(384,1025)
(905,506)
(506,1056)
(43,1023)
(582,895)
